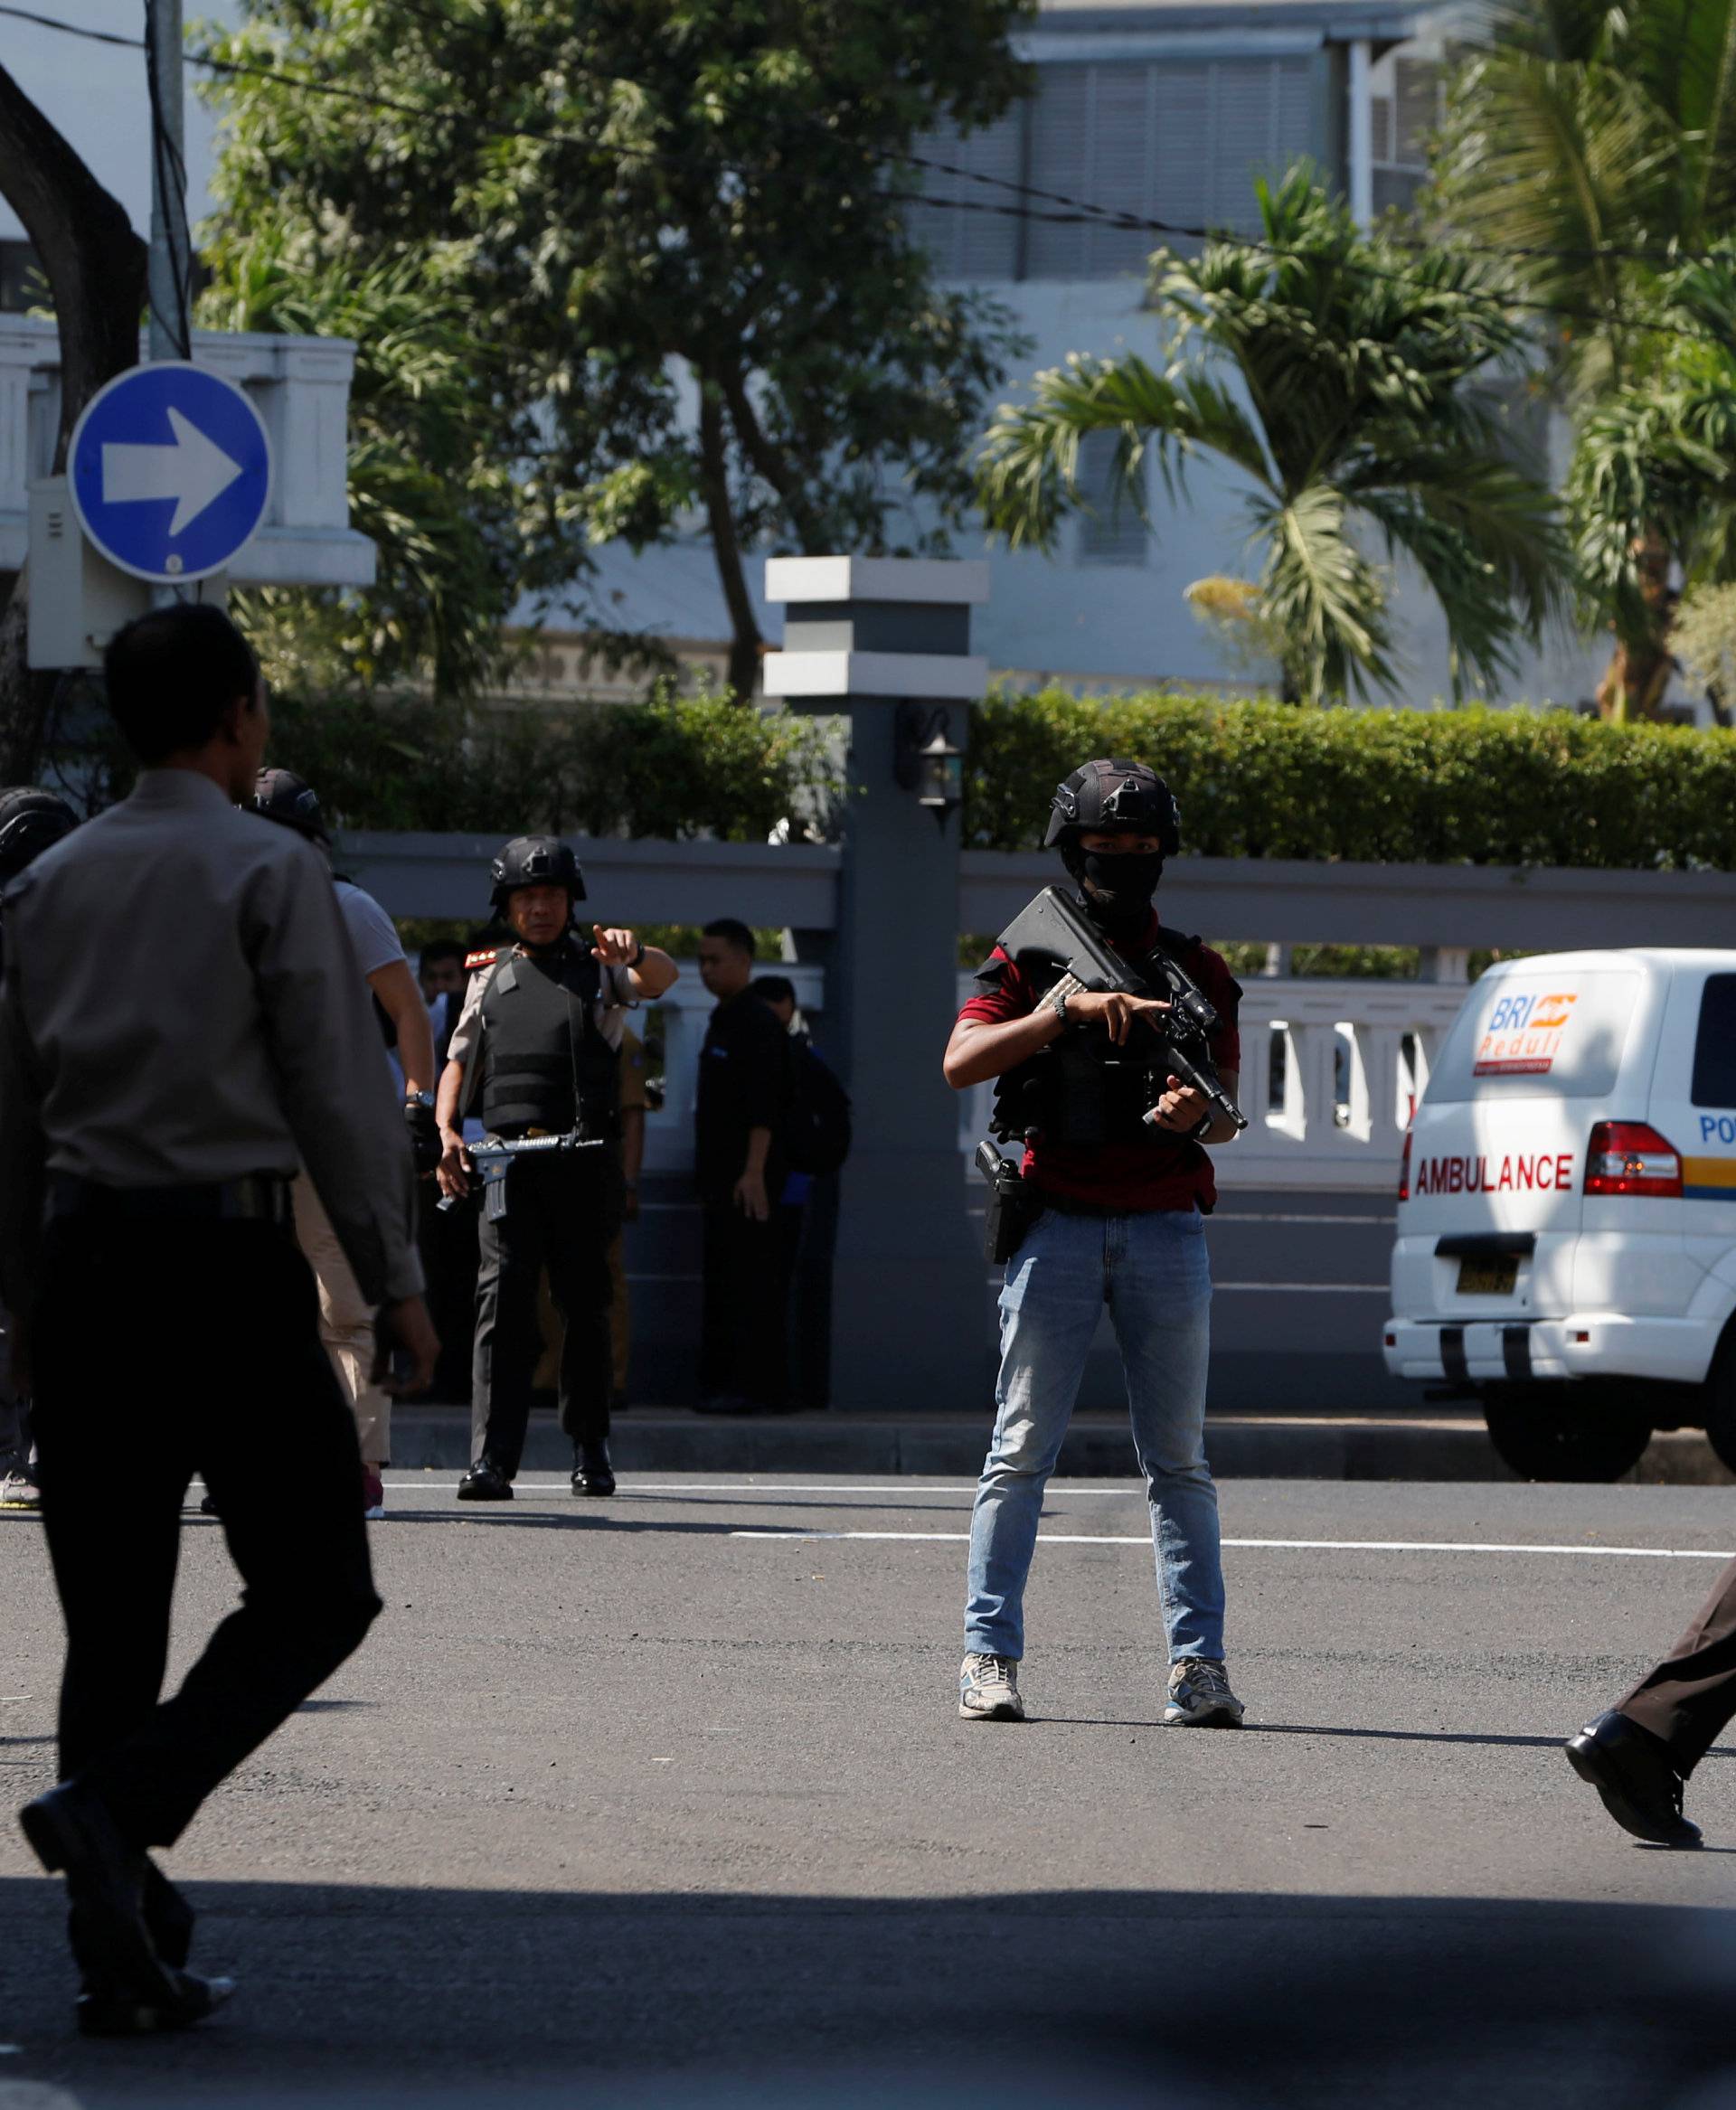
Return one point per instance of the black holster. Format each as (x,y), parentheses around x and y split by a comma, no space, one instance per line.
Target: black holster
(1014,1205)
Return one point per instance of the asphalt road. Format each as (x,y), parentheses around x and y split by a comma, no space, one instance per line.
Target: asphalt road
(662,1801)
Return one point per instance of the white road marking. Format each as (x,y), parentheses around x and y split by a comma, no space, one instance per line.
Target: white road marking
(1311,1288)
(1285,1545)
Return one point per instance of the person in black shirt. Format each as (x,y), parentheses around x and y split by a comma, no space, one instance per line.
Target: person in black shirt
(744,1070)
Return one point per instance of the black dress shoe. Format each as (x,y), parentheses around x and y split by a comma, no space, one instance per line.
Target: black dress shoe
(593,1474)
(485,1482)
(70,1830)
(1631,1770)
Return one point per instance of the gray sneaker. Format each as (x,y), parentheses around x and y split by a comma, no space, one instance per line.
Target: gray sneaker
(1200,1697)
(988,1689)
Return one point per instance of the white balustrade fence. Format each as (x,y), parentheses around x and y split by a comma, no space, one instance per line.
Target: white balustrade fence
(1331,1070)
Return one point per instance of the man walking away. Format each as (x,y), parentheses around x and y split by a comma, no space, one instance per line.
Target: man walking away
(1641,1753)
(31,821)
(743,1100)
(345,1316)
(156,1101)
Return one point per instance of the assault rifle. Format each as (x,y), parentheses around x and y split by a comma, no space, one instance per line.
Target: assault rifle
(493,1160)
(1054,935)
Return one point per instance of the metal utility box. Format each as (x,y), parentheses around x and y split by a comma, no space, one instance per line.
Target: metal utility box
(78,599)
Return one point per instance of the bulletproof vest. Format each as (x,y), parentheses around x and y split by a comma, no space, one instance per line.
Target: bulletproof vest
(1084,1092)
(547,1064)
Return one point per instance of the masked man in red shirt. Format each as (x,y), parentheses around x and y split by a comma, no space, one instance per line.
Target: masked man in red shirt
(1120,1205)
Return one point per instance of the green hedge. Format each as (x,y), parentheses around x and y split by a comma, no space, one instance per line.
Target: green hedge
(674,766)
(1481,786)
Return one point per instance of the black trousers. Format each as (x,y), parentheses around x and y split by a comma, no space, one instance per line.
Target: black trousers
(131,1399)
(1691,1695)
(563,1212)
(741,1349)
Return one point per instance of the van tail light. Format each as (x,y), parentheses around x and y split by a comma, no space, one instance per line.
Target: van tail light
(1630,1157)
(1404,1170)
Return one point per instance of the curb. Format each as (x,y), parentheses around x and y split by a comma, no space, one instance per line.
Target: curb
(1241,1447)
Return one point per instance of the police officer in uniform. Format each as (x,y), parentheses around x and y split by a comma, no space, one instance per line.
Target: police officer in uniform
(1122,1204)
(31,821)
(156,1100)
(539,1042)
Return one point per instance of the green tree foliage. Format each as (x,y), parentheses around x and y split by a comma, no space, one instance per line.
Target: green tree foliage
(1593,145)
(1475,786)
(1336,370)
(1651,486)
(455,530)
(671,235)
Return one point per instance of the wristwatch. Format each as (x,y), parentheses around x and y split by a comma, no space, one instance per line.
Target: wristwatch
(420,1099)
(637,957)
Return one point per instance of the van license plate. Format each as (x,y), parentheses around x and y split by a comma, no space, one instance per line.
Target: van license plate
(1495,1277)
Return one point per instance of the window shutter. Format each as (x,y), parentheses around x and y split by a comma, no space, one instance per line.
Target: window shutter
(1111,529)
(1059,161)
(969,245)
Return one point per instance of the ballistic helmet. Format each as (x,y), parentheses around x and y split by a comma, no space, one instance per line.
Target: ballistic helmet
(31,821)
(1114,797)
(281,795)
(536,861)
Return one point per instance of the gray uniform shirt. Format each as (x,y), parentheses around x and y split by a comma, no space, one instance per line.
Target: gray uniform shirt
(182,1005)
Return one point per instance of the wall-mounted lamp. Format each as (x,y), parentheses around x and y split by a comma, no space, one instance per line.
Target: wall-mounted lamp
(927,762)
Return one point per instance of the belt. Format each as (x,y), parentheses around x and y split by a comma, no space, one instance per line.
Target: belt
(255,1198)
(1070,1205)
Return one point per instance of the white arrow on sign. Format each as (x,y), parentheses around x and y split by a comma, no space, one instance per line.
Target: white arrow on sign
(191,469)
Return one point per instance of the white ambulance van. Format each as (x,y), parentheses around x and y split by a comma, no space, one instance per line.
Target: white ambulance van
(1566,1249)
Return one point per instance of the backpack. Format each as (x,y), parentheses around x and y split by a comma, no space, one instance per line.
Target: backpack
(817,1139)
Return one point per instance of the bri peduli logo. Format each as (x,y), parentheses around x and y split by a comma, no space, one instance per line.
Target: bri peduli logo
(1524,1034)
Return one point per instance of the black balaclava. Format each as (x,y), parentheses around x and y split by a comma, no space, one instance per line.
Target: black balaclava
(1117,886)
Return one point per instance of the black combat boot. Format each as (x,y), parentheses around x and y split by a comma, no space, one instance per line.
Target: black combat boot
(591,1473)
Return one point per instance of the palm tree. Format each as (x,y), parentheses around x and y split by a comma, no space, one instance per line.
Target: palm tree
(1594,147)
(1652,488)
(1338,373)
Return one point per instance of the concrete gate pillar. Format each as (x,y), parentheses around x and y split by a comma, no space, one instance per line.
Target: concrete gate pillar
(887,641)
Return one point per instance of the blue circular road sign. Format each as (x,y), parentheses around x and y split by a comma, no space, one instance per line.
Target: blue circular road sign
(170,471)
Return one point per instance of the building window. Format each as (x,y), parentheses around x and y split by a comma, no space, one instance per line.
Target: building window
(965,241)
(1178,142)
(1405,112)
(1112,530)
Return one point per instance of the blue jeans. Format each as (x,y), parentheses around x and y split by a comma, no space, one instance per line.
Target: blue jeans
(1152,1271)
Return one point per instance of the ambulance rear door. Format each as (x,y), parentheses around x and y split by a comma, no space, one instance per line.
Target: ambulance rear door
(1498,1152)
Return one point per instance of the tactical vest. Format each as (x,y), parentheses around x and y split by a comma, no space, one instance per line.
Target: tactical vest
(1083,1091)
(547,1064)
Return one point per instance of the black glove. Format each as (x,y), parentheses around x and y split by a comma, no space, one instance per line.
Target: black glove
(424,1135)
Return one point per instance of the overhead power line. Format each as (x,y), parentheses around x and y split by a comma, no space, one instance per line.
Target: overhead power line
(1073,212)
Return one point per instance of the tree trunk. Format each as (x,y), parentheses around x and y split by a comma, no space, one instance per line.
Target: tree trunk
(726,547)
(95,265)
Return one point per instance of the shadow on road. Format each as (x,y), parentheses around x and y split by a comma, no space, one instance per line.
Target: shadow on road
(401,1997)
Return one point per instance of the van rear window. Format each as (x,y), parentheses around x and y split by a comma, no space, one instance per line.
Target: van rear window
(1714,1045)
(1538,1036)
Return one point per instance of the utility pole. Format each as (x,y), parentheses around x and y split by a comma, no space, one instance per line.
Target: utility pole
(171,266)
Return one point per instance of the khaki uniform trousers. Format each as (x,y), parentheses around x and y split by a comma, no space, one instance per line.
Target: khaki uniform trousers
(346,1324)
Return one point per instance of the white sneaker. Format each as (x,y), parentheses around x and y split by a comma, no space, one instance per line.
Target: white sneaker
(988,1689)
(18,1490)
(1200,1697)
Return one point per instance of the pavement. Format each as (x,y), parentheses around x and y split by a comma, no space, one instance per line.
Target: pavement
(665,1801)
(1420,1446)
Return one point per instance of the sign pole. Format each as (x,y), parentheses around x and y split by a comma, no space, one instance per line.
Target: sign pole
(171,261)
